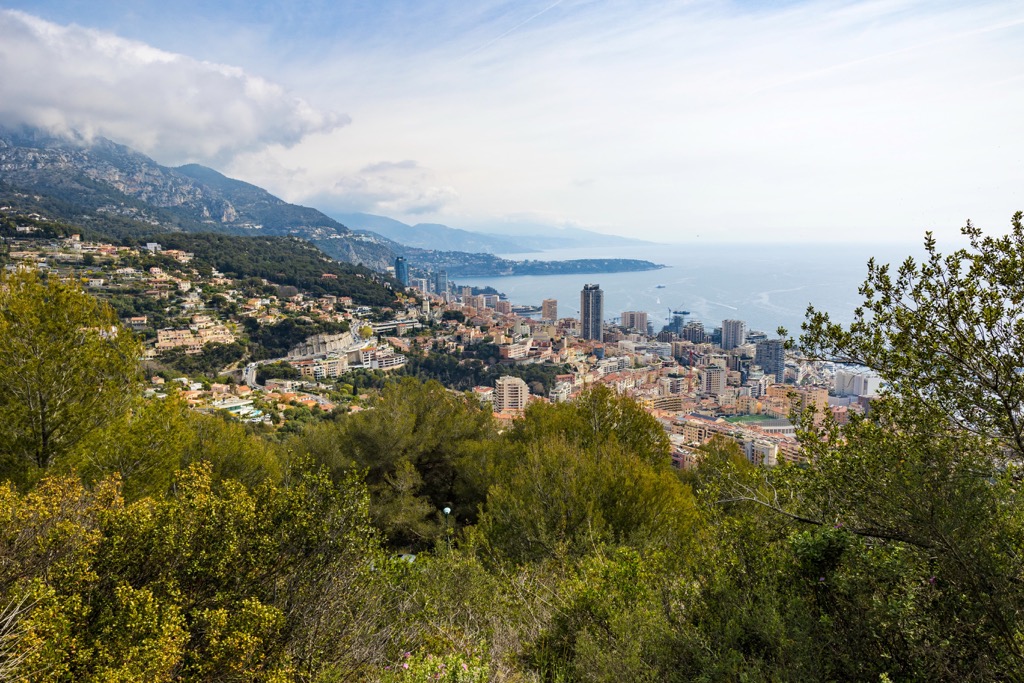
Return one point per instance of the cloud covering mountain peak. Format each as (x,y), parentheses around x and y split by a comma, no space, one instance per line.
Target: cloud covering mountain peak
(170,106)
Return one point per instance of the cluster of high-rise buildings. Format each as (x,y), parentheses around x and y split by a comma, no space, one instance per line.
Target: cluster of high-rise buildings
(431,283)
(726,380)
(770,354)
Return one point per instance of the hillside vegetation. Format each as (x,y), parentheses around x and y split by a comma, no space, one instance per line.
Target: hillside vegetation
(416,541)
(284,261)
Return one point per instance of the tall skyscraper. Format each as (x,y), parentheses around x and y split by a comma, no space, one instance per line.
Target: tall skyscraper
(734,333)
(635,320)
(771,356)
(591,312)
(402,271)
(441,282)
(549,310)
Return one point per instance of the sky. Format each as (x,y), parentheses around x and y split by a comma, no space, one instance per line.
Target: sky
(670,120)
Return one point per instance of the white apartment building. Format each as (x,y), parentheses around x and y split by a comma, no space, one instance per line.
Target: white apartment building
(510,395)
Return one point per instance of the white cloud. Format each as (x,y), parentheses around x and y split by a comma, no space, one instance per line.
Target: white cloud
(660,118)
(820,119)
(168,105)
(402,188)
(385,166)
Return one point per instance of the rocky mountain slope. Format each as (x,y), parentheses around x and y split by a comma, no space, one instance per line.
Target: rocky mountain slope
(111,190)
(98,179)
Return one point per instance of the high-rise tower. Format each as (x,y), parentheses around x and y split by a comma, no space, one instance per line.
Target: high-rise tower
(591,312)
(441,282)
(771,356)
(734,333)
(402,271)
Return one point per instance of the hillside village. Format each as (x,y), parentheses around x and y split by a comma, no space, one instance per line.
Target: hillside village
(273,355)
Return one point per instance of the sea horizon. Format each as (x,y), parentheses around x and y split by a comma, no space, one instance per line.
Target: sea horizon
(766,285)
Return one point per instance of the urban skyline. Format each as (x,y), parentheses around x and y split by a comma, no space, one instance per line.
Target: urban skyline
(769,354)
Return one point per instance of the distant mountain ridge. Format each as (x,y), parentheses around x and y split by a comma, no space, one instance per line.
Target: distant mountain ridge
(431,235)
(545,236)
(511,238)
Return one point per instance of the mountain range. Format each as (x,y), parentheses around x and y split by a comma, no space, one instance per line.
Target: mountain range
(510,238)
(120,192)
(114,191)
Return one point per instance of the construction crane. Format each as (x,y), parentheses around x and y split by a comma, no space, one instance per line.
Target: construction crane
(677,324)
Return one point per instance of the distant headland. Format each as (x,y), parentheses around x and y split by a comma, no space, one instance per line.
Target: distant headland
(498,267)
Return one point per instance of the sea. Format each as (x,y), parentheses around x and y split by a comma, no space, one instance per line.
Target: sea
(767,285)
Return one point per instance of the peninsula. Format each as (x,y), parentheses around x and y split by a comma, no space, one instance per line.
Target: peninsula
(462,264)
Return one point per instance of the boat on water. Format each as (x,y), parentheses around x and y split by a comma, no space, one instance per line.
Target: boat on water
(659,286)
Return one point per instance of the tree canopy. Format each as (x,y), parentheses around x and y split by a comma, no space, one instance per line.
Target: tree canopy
(66,368)
(420,448)
(284,260)
(929,481)
(946,334)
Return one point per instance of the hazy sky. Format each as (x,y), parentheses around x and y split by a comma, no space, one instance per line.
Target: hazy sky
(667,120)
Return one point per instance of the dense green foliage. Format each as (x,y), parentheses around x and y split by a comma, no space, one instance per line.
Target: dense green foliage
(285,261)
(457,316)
(279,370)
(927,486)
(132,303)
(168,546)
(198,585)
(276,340)
(422,449)
(209,362)
(461,375)
(65,368)
(479,367)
